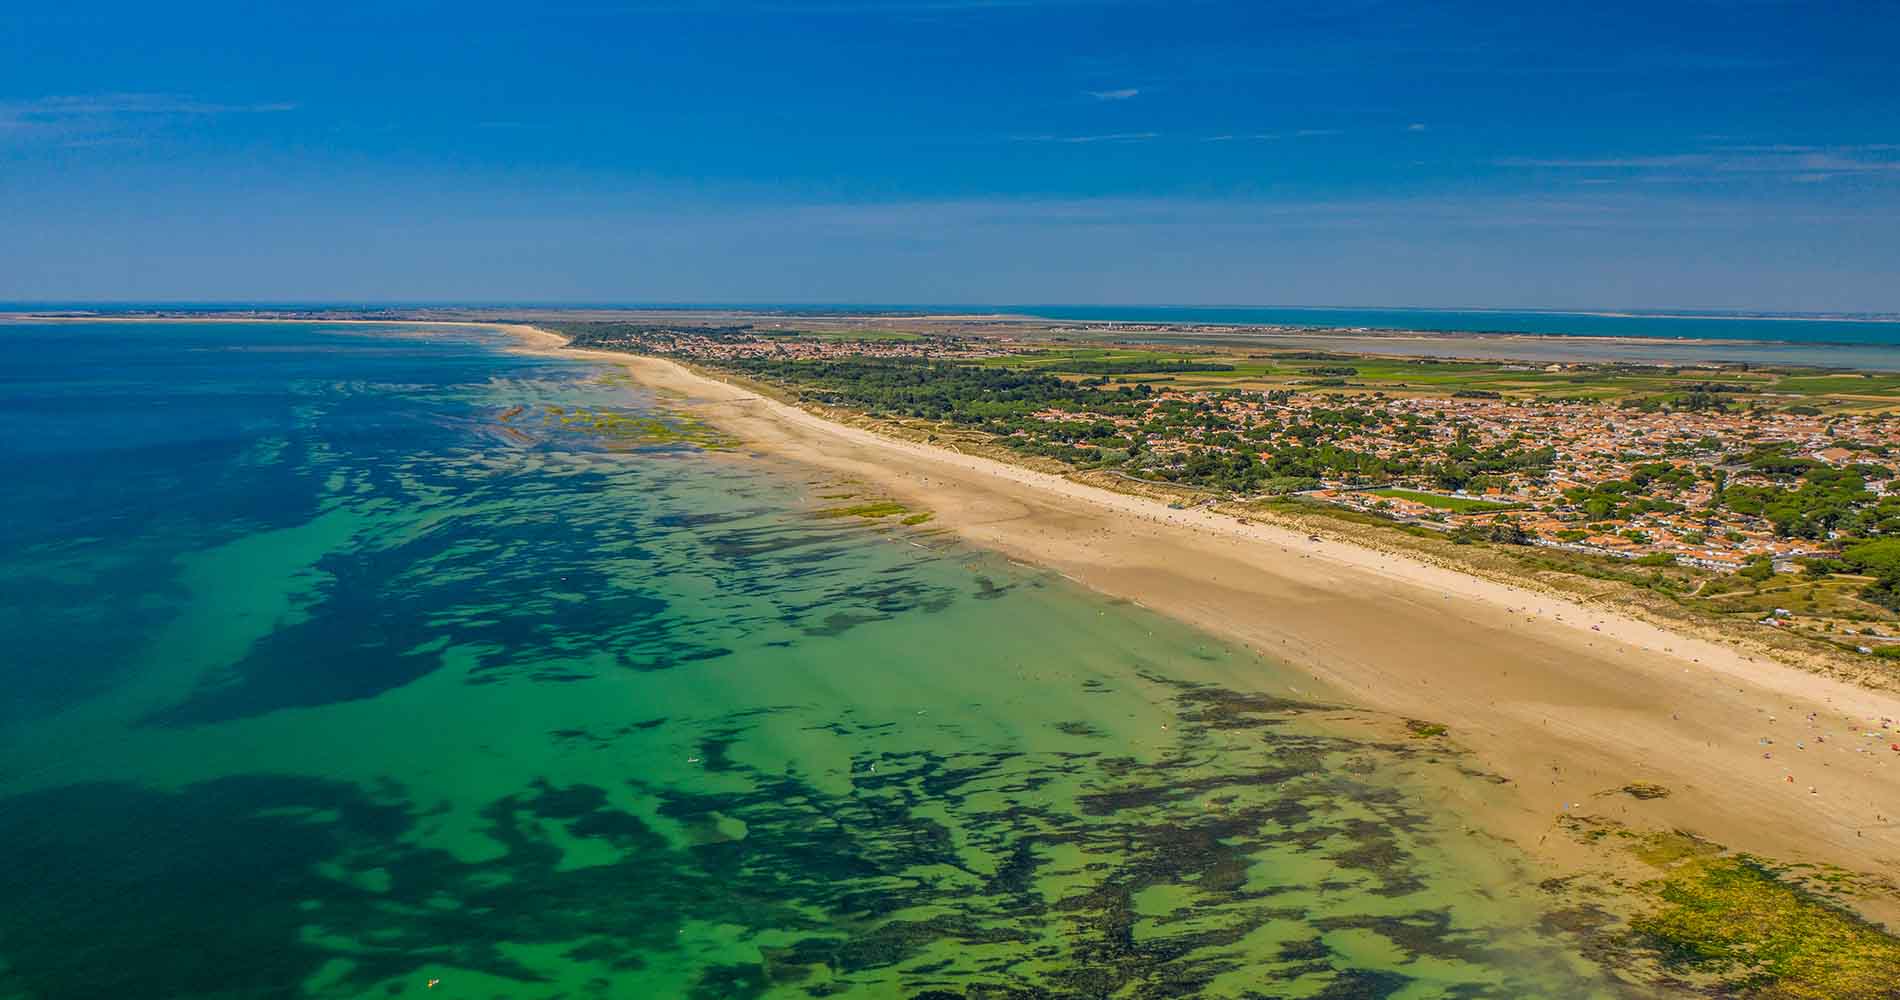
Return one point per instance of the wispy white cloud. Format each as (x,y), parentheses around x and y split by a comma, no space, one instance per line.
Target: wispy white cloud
(60,107)
(1846,148)
(1146,136)
(1808,163)
(1078,139)
(1118,94)
(1602,209)
(95,119)
(1611,162)
(1415,127)
(1805,163)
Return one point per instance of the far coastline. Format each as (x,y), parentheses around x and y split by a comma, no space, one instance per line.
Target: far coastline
(1834,341)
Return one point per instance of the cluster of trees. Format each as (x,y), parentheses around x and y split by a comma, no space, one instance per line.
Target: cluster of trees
(1820,500)
(1693,401)
(1666,474)
(1617,500)
(1191,442)
(1820,506)
(620,336)
(1462,463)
(1805,498)
(1503,531)
(1878,558)
(1284,469)
(1690,397)
(1621,499)
(999,399)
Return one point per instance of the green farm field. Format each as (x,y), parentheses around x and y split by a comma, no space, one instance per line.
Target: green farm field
(1843,391)
(1456,505)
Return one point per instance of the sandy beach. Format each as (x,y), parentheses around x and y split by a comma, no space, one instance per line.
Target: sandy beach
(1568,702)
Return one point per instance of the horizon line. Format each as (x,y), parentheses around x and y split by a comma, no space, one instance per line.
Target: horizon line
(1630,312)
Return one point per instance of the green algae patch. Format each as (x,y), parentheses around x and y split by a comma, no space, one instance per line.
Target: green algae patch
(870,511)
(632,429)
(1425,730)
(1665,849)
(1754,932)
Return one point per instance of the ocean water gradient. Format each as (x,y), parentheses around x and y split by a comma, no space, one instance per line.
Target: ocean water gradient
(346,658)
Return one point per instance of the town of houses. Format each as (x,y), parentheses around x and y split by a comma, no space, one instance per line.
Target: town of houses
(1592,443)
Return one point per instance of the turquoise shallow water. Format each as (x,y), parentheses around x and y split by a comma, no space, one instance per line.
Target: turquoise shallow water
(343,659)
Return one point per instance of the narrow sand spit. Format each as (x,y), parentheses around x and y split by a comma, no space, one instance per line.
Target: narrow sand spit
(1566,701)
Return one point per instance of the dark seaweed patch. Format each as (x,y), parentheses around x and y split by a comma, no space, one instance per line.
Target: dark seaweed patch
(389,601)
(229,863)
(1361,984)
(987,589)
(849,874)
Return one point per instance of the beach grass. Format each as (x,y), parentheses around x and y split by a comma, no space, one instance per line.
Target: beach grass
(1833,597)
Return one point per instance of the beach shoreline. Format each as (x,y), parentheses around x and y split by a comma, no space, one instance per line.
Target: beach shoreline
(1570,704)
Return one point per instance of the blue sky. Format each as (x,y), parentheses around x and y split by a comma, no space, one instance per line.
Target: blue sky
(1708,154)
